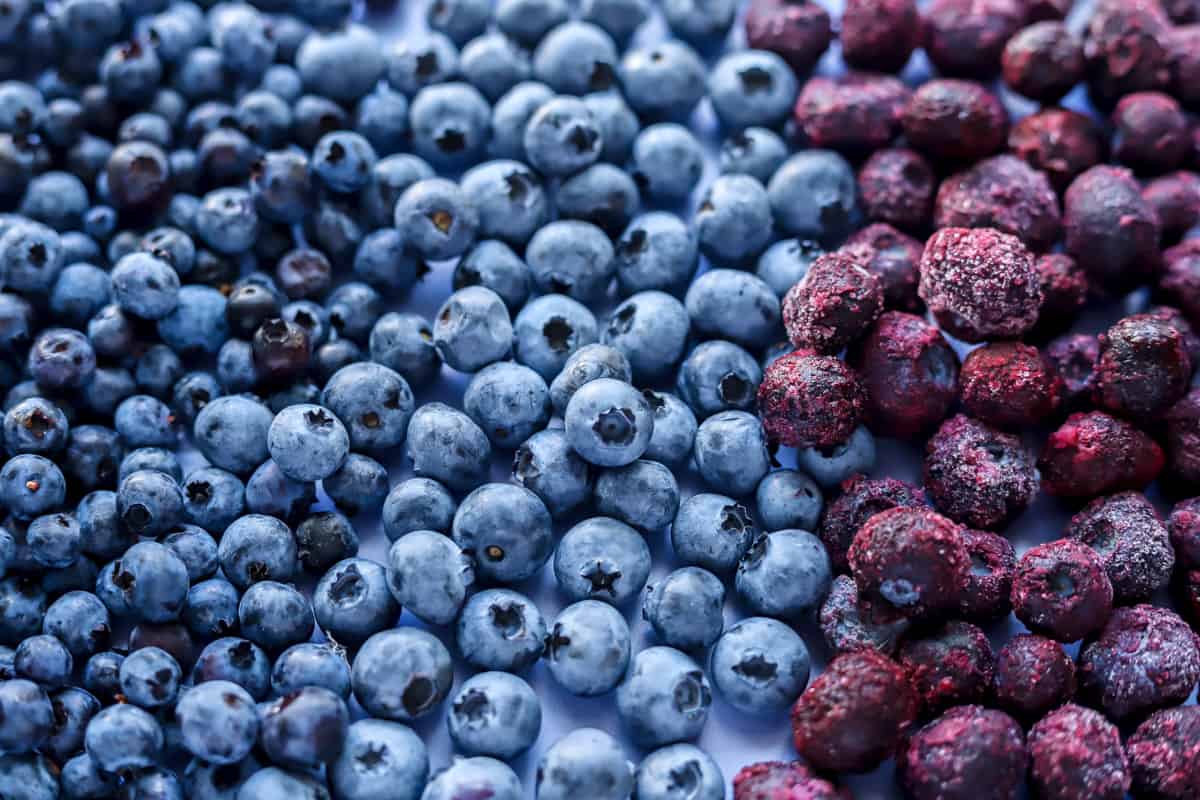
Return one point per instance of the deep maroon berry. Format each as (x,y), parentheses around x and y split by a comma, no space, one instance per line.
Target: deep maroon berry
(139,178)
(1183,439)
(809,400)
(852,715)
(966,753)
(249,306)
(1033,675)
(861,498)
(1092,454)
(1164,754)
(909,373)
(797,30)
(1064,292)
(833,305)
(1175,318)
(1151,133)
(1043,62)
(847,626)
(977,475)
(1076,754)
(1144,367)
(953,119)
(1073,359)
(1126,48)
(1131,540)
(1061,590)
(896,186)
(1175,198)
(281,350)
(1060,143)
(304,273)
(1184,47)
(1008,384)
(966,37)
(879,35)
(1183,526)
(1182,11)
(1004,193)
(1145,659)
(980,283)
(771,780)
(951,665)
(989,581)
(1180,279)
(913,560)
(854,113)
(1186,592)
(894,258)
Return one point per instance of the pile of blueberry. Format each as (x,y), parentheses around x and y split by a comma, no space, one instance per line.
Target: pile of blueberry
(213,212)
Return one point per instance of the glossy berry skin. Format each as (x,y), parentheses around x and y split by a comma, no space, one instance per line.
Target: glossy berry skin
(28,715)
(429,575)
(401,674)
(305,728)
(311,664)
(417,504)
(1076,753)
(150,677)
(1061,590)
(784,574)
(963,749)
(218,722)
(580,649)
(601,559)
(500,629)
(352,601)
(494,714)
(257,547)
(760,665)
(275,616)
(123,737)
(374,402)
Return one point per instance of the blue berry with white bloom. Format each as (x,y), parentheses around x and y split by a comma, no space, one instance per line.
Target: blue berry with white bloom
(311,664)
(833,465)
(731,452)
(719,376)
(508,401)
(684,608)
(572,258)
(679,772)
(651,328)
(787,498)
(602,559)
(760,666)
(402,674)
(417,504)
(587,650)
(307,442)
(712,531)
(609,423)
(500,629)
(752,87)
(381,760)
(546,465)
(472,329)
(429,575)
(784,574)
(352,601)
(664,698)
(586,762)
(506,529)
(494,714)
(479,774)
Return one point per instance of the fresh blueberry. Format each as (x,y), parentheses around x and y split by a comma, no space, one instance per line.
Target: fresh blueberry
(359,485)
(152,581)
(508,401)
(679,772)
(601,559)
(101,533)
(663,82)
(145,421)
(785,263)
(651,329)
(712,531)
(101,675)
(751,87)
(734,220)
(548,330)
(149,502)
(211,608)
(684,608)
(586,364)
(664,698)
(493,264)
(404,342)
(73,709)
(760,666)
(343,63)
(150,678)
(527,21)
(156,458)
(273,782)
(510,115)
(80,621)
(231,432)
(494,714)
(275,616)
(472,329)
(381,760)
(83,781)
(506,529)
(787,498)
(31,777)
(383,260)
(343,160)
(510,200)
(576,58)
(353,310)
(571,258)
(28,716)
(494,63)
(306,728)
(311,664)
(469,775)
(44,660)
(719,376)
(500,629)
(257,547)
(324,539)
(562,137)
(123,737)
(674,428)
(667,162)
(546,465)
(80,290)
(352,601)
(307,442)
(429,575)
(731,452)
(609,423)
(31,257)
(53,540)
(402,674)
(831,466)
(459,19)
(417,504)
(35,425)
(61,358)
(643,494)
(212,498)
(657,251)
(374,400)
(586,762)
(449,124)
(619,17)
(784,574)
(587,649)
(734,305)
(814,196)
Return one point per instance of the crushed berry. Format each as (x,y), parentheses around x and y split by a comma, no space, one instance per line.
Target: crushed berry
(854,113)
(852,715)
(909,373)
(897,186)
(1126,48)
(1180,280)
(912,560)
(833,305)
(989,581)
(779,780)
(1073,359)
(1093,453)
(893,257)
(1131,540)
(1061,590)
(977,475)
(879,35)
(1150,132)
(980,283)
(1145,659)
(1076,754)
(847,626)
(1183,439)
(1043,62)
(1064,292)
(1005,193)
(861,498)
(955,119)
(949,666)
(1009,385)
(1033,676)
(1144,367)
(967,37)
(1060,143)
(799,32)
(809,400)
(1164,754)
(1183,526)
(966,752)
(1175,198)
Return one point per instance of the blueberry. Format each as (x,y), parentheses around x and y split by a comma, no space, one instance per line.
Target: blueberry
(547,466)
(494,714)
(150,678)
(508,401)
(343,63)
(81,780)
(257,547)
(814,196)
(235,366)
(324,539)
(651,329)
(101,675)
(417,504)
(587,649)
(28,716)
(719,376)
(429,575)
(472,329)
(53,540)
(751,87)
(402,674)
(29,777)
(212,498)
(510,115)
(548,330)
(679,772)
(664,697)
(571,258)
(211,608)
(383,260)
(480,774)
(657,251)
(784,574)
(601,559)
(684,608)
(500,629)
(150,502)
(788,498)
(734,220)
(760,666)
(785,263)
(586,364)
(576,58)
(275,616)
(311,664)
(264,115)
(562,137)
(449,123)
(73,709)
(152,581)
(459,19)
(712,531)
(609,423)
(342,161)
(306,728)
(404,342)
(667,162)
(31,257)
(61,358)
(108,388)
(510,200)
(35,425)
(231,432)
(381,760)
(273,782)
(663,82)
(585,762)
(359,485)
(493,63)
(506,529)
(145,421)
(123,737)
(79,291)
(528,20)
(674,428)
(307,442)
(100,531)
(643,494)
(446,445)
(44,660)
(734,305)
(353,310)
(352,601)
(413,66)
(831,466)
(731,452)
(80,621)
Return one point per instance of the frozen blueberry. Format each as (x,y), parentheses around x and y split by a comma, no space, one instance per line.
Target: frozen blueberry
(609,423)
(760,665)
(587,649)
(429,575)
(684,608)
(402,674)
(506,529)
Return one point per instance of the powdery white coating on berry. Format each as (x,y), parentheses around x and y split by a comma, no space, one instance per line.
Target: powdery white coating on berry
(1076,754)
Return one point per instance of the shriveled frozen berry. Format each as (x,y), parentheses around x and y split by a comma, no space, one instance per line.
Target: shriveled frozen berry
(1180,279)
(1073,359)
(965,753)
(1110,229)
(1133,544)
(967,37)
(847,627)
(833,305)
(1058,142)
(1008,384)
(1005,193)
(893,257)
(949,666)
(855,113)
(1043,61)
(897,186)
(1164,754)
(862,498)
(1143,367)
(1061,590)
(1183,527)
(1126,47)
(989,581)
(798,32)
(1151,132)
(1033,675)
(771,780)
(809,400)
(1184,46)
(1093,453)
(955,119)
(978,475)
(1175,198)
(1076,754)
(879,35)
(1065,288)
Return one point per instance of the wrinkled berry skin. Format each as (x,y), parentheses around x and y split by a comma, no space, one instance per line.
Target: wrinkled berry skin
(1183,526)
(1061,590)
(909,374)
(772,780)
(1131,540)
(847,627)
(1005,193)
(1058,142)
(966,37)
(1110,229)
(1073,359)
(833,305)
(912,560)
(893,257)
(1008,384)
(977,475)
(809,400)
(852,715)
(1164,754)
(861,498)
(799,32)
(949,666)
(1092,454)
(1183,439)
(1076,754)
(1126,47)
(965,753)
(854,113)
(1151,132)
(956,120)
(897,186)
(1065,288)
(1143,367)
(1043,61)
(989,582)
(1146,658)
(980,283)
(879,35)
(1033,676)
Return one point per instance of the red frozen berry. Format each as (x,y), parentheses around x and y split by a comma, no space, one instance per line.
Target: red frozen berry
(855,113)
(847,626)
(1009,384)
(879,35)
(1005,193)
(862,498)
(1151,132)
(897,186)
(1044,61)
(1183,526)
(1126,47)
(977,475)
(989,582)
(1076,754)
(1110,229)
(809,400)
(1092,454)
(965,754)
(1144,367)
(1164,755)
(967,37)
(894,258)
(783,780)
(1060,143)
(955,119)
(1061,590)
(1175,198)
(833,305)
(949,666)
(1073,359)
(1033,676)
(798,31)
(1131,540)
